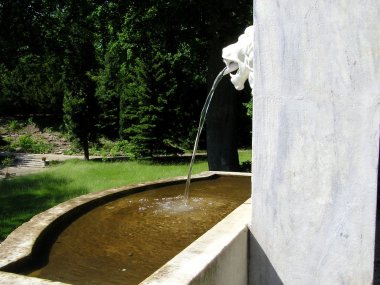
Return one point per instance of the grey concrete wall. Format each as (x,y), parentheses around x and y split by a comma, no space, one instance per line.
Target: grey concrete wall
(315,139)
(218,257)
(229,266)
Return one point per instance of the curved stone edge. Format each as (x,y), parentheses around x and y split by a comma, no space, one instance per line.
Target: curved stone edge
(19,244)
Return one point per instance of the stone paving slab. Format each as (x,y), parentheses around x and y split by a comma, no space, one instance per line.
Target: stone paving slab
(29,167)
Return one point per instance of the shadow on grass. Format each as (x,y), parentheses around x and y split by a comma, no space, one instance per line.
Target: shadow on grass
(23,197)
(163,159)
(184,159)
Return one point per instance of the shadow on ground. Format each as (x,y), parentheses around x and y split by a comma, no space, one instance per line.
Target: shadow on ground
(23,197)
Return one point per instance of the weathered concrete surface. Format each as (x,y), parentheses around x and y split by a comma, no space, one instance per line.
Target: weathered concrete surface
(15,279)
(316,130)
(218,257)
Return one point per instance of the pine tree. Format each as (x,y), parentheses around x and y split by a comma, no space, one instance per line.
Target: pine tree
(136,112)
(79,106)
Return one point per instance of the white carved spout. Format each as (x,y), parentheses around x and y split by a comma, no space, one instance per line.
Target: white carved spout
(239,57)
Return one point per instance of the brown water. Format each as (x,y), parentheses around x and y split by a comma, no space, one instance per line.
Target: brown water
(126,240)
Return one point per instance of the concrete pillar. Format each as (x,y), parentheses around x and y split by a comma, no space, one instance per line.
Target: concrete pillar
(315,141)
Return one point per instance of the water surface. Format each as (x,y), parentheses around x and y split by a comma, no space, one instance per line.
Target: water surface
(126,240)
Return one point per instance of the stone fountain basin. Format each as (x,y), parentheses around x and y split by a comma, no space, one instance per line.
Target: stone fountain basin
(227,241)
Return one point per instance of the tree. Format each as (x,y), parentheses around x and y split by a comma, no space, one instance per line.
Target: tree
(108,92)
(80,106)
(112,51)
(154,79)
(226,20)
(30,78)
(20,30)
(137,115)
(82,60)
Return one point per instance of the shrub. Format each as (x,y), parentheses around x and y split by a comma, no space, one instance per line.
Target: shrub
(14,125)
(107,148)
(27,143)
(7,162)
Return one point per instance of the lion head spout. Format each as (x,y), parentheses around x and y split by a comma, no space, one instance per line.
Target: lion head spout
(239,57)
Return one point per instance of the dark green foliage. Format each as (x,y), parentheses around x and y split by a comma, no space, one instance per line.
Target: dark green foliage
(136,114)
(108,97)
(130,70)
(26,143)
(77,119)
(249,107)
(20,30)
(79,106)
(2,141)
(150,82)
(33,87)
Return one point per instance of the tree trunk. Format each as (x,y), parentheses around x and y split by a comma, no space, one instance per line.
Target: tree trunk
(222,152)
(86,150)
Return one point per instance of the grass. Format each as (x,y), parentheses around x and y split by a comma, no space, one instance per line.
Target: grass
(245,155)
(23,197)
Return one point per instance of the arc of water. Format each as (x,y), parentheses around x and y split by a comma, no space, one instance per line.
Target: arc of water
(200,127)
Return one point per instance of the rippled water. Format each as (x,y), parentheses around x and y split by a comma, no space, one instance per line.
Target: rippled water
(126,240)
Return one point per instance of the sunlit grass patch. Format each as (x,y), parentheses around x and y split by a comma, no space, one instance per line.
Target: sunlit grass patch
(23,197)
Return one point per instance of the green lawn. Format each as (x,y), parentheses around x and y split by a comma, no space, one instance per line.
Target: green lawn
(23,197)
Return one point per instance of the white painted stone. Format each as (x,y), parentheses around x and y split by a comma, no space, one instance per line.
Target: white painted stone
(239,57)
(315,140)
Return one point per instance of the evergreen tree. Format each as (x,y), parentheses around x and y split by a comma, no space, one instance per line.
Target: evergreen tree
(138,116)
(123,69)
(80,106)
(108,96)
(31,76)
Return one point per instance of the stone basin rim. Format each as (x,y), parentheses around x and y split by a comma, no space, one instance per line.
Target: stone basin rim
(19,246)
